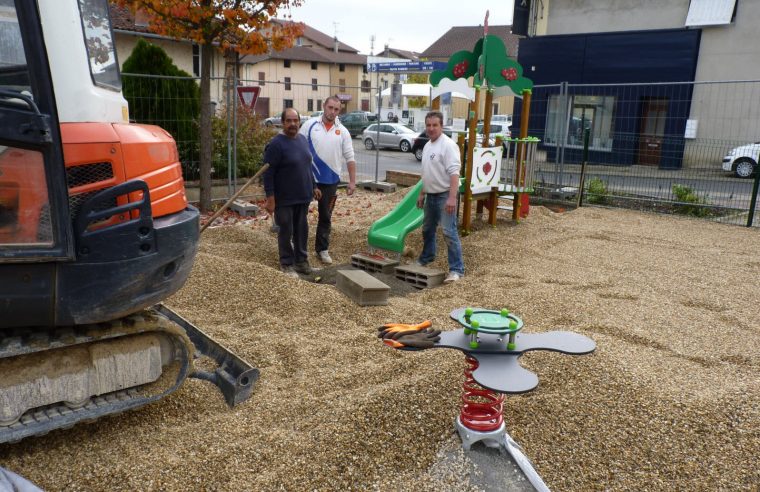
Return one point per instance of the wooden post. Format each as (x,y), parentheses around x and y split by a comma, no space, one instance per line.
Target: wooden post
(522,201)
(460,144)
(488,110)
(494,197)
(463,167)
(467,206)
(486,131)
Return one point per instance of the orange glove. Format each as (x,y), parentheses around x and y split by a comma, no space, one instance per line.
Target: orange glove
(400,335)
(396,330)
(424,339)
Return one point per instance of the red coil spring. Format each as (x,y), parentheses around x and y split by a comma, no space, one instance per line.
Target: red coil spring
(481,408)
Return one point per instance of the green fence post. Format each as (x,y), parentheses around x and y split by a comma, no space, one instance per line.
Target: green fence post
(586,138)
(753,201)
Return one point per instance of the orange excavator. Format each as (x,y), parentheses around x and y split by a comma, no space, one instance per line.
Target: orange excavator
(95,232)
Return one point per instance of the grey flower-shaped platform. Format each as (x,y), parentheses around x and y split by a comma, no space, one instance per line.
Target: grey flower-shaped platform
(498,367)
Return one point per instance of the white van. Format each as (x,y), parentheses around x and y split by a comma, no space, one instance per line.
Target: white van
(504,119)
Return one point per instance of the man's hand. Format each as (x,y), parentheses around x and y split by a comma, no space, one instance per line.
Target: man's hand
(269,205)
(451,205)
(420,201)
(351,166)
(317,193)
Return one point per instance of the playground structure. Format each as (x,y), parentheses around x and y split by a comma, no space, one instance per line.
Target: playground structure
(492,369)
(484,179)
(492,69)
(387,234)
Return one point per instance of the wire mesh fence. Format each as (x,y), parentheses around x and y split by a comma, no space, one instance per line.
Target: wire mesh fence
(240,134)
(665,147)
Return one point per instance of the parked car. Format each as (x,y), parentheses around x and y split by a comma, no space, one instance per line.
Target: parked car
(496,130)
(317,114)
(742,160)
(393,135)
(277,122)
(273,121)
(505,119)
(422,139)
(355,122)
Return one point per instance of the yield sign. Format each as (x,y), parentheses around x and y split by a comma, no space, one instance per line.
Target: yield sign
(248,96)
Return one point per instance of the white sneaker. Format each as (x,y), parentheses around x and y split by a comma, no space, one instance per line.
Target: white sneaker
(452,277)
(324,256)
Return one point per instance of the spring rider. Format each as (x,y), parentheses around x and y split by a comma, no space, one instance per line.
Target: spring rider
(492,342)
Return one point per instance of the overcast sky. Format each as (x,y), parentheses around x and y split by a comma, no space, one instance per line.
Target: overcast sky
(405,24)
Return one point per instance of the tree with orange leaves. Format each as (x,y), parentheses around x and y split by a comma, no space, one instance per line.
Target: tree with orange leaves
(244,26)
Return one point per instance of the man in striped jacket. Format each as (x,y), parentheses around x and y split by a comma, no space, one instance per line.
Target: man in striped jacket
(331,146)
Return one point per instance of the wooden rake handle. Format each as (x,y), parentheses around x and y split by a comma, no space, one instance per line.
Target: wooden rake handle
(237,194)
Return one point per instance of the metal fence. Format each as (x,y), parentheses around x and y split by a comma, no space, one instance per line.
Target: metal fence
(655,147)
(238,136)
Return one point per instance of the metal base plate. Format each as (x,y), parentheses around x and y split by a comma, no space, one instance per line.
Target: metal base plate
(500,439)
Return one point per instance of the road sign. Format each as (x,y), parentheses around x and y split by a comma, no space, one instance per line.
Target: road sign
(248,96)
(398,67)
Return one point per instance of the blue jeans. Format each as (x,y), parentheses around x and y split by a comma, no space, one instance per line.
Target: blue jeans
(435,213)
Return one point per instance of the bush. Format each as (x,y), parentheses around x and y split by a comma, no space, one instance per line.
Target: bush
(685,195)
(596,191)
(173,104)
(252,137)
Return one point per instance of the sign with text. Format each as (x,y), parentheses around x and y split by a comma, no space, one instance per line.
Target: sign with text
(248,96)
(399,67)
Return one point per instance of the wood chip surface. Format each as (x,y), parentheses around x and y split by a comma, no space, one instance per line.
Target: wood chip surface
(669,401)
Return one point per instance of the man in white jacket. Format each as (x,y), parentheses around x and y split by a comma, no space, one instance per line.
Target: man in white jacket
(438,195)
(331,146)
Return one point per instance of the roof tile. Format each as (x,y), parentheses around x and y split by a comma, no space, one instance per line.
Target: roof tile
(464,38)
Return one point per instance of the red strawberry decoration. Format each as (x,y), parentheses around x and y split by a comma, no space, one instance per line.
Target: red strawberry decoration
(509,74)
(460,69)
(487,168)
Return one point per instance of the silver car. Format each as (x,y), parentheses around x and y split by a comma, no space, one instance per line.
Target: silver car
(391,135)
(276,121)
(496,130)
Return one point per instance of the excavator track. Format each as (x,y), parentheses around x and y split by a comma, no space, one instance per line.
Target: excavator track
(66,375)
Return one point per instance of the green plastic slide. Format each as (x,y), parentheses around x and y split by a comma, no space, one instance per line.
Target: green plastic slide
(390,231)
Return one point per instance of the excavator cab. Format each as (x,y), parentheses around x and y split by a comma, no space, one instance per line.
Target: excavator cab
(93,215)
(35,231)
(95,232)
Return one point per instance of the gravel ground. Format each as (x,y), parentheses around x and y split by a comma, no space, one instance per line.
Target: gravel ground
(669,401)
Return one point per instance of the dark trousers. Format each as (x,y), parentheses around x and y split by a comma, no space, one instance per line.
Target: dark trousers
(325,207)
(293,234)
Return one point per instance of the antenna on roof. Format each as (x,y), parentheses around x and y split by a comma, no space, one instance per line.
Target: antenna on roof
(371,44)
(335,38)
